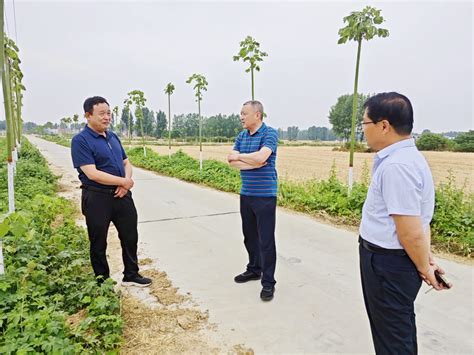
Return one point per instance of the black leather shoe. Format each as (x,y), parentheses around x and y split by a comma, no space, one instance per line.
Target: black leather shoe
(246,276)
(138,281)
(267,293)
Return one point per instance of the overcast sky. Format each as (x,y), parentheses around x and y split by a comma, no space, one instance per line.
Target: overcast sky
(74,49)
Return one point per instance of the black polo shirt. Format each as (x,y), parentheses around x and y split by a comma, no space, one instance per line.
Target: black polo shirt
(106,153)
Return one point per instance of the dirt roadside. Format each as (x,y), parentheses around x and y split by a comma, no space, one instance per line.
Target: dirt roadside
(158,319)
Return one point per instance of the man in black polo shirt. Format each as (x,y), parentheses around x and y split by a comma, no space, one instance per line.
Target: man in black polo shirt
(106,177)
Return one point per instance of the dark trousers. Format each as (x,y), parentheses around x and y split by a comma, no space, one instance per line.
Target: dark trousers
(100,209)
(390,284)
(258,226)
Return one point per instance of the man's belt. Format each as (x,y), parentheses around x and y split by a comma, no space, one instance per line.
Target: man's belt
(104,190)
(379,250)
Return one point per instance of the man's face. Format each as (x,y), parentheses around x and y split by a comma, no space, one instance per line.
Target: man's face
(248,117)
(377,134)
(100,119)
(370,131)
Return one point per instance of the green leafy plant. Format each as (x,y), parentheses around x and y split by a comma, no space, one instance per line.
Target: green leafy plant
(432,141)
(465,142)
(250,52)
(48,279)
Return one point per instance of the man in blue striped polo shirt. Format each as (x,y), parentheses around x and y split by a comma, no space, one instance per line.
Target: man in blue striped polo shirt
(254,154)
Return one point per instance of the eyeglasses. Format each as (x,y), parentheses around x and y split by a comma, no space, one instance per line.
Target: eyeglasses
(369,122)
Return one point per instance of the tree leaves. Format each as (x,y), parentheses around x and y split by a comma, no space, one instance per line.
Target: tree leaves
(340,115)
(169,89)
(4,228)
(250,52)
(362,25)
(200,84)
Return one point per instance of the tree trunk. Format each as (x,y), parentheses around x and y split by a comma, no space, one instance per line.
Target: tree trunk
(9,123)
(354,113)
(169,125)
(251,73)
(141,130)
(129,116)
(200,137)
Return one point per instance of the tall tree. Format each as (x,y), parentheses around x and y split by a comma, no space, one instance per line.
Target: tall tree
(126,119)
(115,114)
(4,65)
(11,199)
(148,121)
(200,85)
(63,125)
(68,121)
(137,97)
(129,119)
(280,134)
(16,88)
(75,120)
(160,124)
(340,116)
(169,89)
(465,142)
(360,25)
(293,133)
(250,52)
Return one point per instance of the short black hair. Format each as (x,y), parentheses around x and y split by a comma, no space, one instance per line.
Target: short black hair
(92,101)
(393,107)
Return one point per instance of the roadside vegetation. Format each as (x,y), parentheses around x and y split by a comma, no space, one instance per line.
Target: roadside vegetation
(49,299)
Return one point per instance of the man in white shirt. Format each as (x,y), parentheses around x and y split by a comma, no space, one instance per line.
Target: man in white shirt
(395,228)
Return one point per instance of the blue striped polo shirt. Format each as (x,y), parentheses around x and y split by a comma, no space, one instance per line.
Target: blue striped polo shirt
(261,182)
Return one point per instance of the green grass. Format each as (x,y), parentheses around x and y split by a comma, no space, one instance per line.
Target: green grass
(61,140)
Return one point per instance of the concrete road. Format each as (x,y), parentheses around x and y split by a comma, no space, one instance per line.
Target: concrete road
(193,233)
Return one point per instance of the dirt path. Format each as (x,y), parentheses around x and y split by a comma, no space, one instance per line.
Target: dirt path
(158,319)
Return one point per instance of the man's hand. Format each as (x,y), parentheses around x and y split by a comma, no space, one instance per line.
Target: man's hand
(244,166)
(233,157)
(120,192)
(260,165)
(127,183)
(429,277)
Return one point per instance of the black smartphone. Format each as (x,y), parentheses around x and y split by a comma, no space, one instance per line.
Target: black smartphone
(442,279)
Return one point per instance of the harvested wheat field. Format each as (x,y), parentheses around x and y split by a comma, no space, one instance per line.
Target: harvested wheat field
(304,163)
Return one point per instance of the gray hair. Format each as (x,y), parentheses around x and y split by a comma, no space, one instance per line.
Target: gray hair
(256,105)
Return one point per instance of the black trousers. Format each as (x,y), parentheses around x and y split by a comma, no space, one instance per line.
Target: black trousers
(258,226)
(100,209)
(390,284)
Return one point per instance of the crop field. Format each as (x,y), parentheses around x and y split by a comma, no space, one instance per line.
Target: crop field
(305,163)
